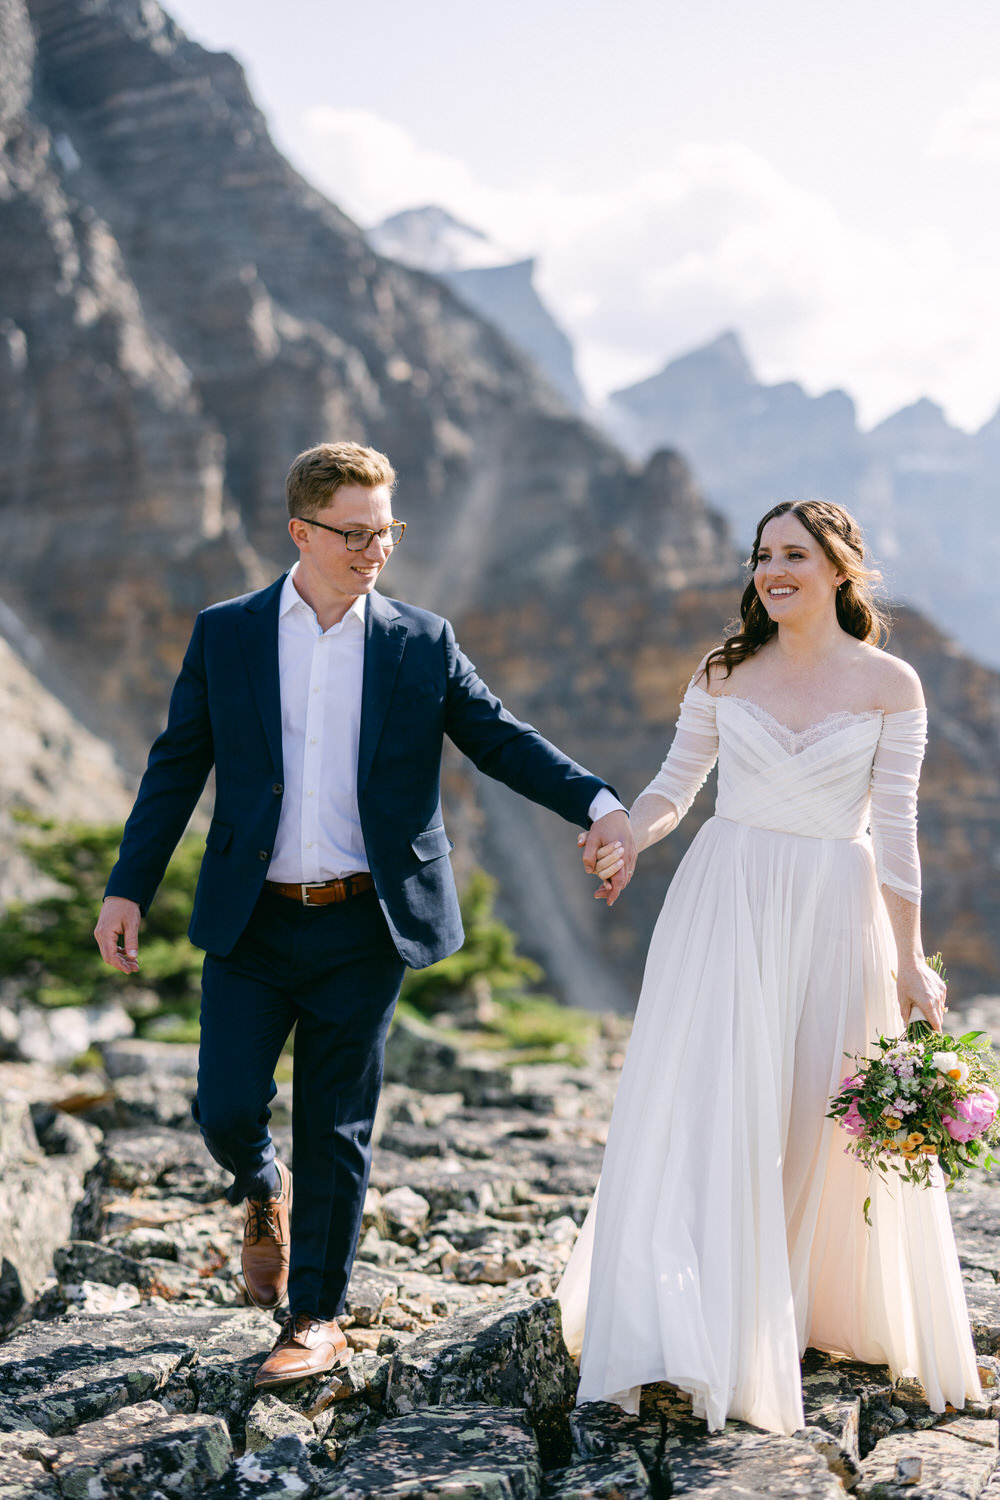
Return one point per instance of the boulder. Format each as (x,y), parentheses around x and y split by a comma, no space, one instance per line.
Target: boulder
(271,1418)
(142,1452)
(38,1196)
(509,1354)
(473,1451)
(620,1477)
(956,1460)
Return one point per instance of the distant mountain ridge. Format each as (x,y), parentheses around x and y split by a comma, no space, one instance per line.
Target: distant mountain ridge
(927,494)
(497,283)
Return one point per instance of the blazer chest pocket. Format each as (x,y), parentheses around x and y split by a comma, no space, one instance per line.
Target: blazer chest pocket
(219,836)
(432,843)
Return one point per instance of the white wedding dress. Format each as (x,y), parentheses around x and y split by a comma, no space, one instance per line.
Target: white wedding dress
(728,1233)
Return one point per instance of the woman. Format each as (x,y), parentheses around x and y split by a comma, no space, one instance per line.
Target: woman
(729,1233)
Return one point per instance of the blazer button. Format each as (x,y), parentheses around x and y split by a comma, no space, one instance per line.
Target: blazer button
(277,789)
(263,854)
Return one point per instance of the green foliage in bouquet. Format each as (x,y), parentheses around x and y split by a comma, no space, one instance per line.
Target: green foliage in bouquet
(48,944)
(926,1098)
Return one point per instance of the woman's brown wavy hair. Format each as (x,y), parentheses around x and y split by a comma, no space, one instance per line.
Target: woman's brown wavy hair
(858,612)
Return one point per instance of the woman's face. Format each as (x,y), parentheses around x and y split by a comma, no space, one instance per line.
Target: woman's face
(794,578)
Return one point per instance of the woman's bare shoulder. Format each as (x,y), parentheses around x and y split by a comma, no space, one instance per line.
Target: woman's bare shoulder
(895,685)
(710,675)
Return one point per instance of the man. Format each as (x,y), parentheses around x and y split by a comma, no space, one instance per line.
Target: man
(323,707)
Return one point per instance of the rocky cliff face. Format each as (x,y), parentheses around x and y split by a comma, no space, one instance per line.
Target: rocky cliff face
(925,492)
(181,313)
(500,286)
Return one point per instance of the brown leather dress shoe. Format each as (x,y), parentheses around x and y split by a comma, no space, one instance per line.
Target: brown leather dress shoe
(266,1243)
(306,1346)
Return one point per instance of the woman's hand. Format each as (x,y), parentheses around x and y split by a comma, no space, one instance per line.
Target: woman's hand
(610,859)
(919,989)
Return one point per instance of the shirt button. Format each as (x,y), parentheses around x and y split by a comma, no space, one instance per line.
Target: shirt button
(277,789)
(263,854)
(314,741)
(309,844)
(309,794)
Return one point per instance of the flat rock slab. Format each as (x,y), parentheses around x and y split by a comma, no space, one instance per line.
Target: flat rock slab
(510,1353)
(955,1460)
(620,1477)
(467,1452)
(75,1370)
(741,1461)
(140,1453)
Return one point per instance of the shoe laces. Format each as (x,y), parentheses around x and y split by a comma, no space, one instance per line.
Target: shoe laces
(262,1219)
(297,1323)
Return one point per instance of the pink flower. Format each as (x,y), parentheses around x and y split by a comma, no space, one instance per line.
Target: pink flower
(974,1115)
(853,1121)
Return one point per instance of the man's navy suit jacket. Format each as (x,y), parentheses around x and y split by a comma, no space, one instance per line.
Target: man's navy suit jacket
(225,711)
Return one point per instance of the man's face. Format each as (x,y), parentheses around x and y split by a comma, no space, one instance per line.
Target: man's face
(329,567)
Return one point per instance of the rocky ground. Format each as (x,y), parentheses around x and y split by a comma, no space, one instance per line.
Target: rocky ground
(127,1365)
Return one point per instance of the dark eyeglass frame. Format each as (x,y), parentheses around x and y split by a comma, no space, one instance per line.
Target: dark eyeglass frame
(387,541)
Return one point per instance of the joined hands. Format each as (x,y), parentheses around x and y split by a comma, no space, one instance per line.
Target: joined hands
(609,852)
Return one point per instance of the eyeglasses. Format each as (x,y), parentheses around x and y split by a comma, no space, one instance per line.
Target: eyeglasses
(361,540)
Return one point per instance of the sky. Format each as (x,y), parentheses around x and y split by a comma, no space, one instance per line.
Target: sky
(822,176)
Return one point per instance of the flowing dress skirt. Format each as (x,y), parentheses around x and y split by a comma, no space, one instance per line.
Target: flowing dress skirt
(729,1234)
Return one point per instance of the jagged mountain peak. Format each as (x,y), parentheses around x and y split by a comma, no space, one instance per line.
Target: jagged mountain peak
(432,239)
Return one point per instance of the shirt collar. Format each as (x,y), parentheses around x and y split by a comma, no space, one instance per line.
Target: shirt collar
(291,599)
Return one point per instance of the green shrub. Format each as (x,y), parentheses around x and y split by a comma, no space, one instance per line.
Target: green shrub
(48,944)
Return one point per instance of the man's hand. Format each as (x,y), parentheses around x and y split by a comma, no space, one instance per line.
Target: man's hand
(119,919)
(613,828)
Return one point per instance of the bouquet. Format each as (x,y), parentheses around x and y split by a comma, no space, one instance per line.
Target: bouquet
(927,1097)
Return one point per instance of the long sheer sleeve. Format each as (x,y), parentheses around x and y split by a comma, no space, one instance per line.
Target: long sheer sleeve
(692,753)
(895,775)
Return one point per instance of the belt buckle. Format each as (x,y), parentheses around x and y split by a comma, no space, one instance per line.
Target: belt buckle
(307,886)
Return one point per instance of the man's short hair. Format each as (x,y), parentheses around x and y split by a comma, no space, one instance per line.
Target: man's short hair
(318,473)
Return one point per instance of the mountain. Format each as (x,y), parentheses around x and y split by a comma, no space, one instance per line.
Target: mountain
(925,492)
(180,313)
(490,279)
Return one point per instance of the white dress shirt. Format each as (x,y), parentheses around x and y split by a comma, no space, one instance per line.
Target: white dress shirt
(320,675)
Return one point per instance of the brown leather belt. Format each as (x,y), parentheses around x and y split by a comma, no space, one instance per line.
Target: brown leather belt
(324,892)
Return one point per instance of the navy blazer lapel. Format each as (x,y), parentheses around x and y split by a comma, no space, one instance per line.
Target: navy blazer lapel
(385,637)
(259,640)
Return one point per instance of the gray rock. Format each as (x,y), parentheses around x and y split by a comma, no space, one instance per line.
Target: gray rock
(271,1418)
(600,1429)
(404,1214)
(511,1354)
(956,1460)
(38,1196)
(169,1161)
(124,1059)
(741,1461)
(621,1477)
(469,1451)
(281,1471)
(24,1478)
(143,1452)
(74,1370)
(417,1054)
(982,1296)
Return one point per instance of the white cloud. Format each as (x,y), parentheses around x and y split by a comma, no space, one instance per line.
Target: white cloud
(656,263)
(970,131)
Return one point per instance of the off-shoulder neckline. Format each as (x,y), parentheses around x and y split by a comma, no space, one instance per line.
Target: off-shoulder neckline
(901,713)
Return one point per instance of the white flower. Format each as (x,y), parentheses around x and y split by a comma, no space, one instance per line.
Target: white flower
(945,1061)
